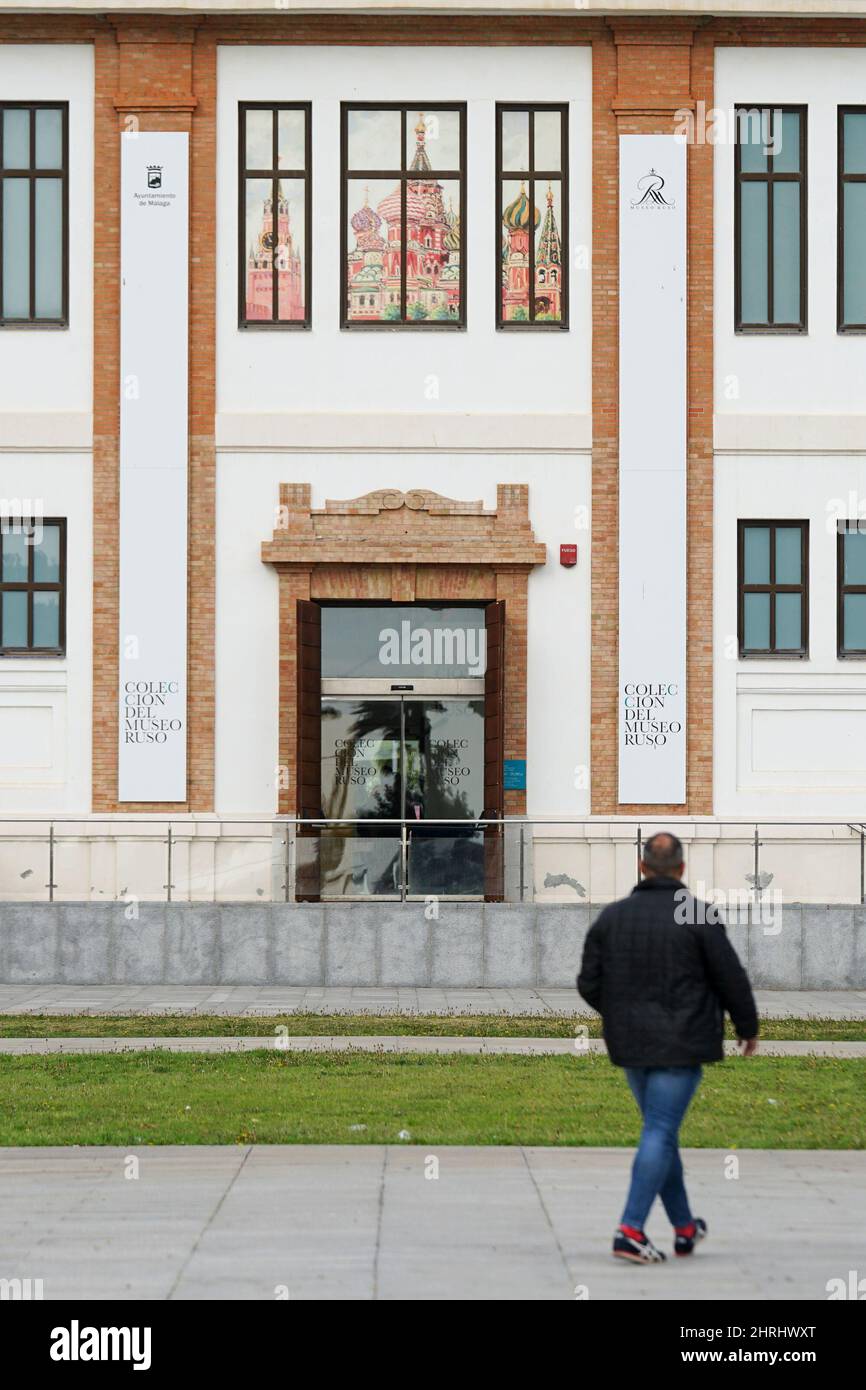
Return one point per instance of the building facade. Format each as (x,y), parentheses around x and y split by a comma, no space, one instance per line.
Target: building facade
(410,422)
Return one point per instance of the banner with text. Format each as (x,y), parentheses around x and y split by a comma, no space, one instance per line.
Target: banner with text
(652,469)
(153,465)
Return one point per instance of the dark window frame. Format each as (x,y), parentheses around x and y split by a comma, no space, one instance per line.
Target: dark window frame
(31,586)
(844,528)
(32,173)
(403,176)
(531,176)
(275,174)
(770,177)
(841,180)
(772,588)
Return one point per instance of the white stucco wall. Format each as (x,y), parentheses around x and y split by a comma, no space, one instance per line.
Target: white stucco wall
(247,609)
(478,371)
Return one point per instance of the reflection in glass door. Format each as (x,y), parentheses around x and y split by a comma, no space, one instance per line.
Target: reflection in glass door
(416,758)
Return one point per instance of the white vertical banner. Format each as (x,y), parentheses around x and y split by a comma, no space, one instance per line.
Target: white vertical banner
(652,469)
(154,251)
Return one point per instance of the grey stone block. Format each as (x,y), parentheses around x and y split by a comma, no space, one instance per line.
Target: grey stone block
(404,946)
(509,946)
(298,943)
(28,943)
(85,942)
(737,926)
(245,944)
(351,940)
(139,945)
(776,955)
(561,933)
(829,948)
(594,910)
(192,942)
(456,946)
(858,920)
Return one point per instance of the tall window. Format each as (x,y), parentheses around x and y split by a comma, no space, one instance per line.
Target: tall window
(531,216)
(32,587)
(851,261)
(770,220)
(34,161)
(274,215)
(403,189)
(773,568)
(851,588)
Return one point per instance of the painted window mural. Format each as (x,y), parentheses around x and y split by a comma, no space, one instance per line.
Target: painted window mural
(274,235)
(532,204)
(402,212)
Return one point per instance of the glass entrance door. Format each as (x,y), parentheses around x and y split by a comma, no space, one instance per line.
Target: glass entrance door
(395,758)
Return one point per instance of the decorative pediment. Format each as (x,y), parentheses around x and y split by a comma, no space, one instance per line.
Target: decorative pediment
(392,527)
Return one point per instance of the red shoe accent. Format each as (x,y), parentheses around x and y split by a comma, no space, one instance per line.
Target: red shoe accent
(689,1231)
(633,1232)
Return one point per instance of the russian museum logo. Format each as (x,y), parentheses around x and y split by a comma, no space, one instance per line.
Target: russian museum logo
(651,197)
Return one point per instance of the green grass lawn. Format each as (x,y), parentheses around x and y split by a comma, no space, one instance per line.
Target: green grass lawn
(272,1097)
(403,1025)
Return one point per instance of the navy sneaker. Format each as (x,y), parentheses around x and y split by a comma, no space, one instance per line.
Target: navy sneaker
(629,1244)
(687,1237)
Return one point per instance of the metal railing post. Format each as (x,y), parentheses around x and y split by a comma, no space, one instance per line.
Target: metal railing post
(168,866)
(288,864)
(404,860)
(639,852)
(863,864)
(50,884)
(522,876)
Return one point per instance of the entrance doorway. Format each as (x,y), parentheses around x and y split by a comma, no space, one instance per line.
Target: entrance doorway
(397,765)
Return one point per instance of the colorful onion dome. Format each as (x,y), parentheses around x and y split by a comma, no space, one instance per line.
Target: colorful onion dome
(366,219)
(516,216)
(452,236)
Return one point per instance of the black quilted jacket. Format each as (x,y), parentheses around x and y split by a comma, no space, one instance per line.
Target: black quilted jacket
(659,968)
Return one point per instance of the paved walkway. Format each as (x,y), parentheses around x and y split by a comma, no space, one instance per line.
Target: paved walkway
(366,1222)
(275,999)
(535,1047)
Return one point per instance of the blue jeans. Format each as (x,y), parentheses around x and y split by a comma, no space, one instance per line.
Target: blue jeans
(663,1095)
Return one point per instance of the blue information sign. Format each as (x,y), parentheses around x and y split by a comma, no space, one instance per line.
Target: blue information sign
(514,774)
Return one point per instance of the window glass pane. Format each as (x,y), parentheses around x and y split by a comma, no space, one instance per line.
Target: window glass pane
(788,627)
(433,273)
(14,632)
(548,252)
(432,140)
(46,556)
(854,142)
(786,142)
(15,556)
(259,249)
(16,248)
(515,140)
(753,252)
(49,248)
(259,140)
(786,253)
(753,131)
(789,555)
(373,240)
(49,140)
(854,266)
(756,625)
(517,217)
(756,548)
(374,139)
(403,641)
(854,622)
(46,620)
(291,251)
(291,150)
(854,566)
(16,139)
(548,140)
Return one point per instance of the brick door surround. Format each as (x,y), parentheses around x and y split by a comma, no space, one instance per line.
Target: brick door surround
(403,547)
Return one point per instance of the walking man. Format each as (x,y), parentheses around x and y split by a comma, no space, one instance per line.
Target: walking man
(659,968)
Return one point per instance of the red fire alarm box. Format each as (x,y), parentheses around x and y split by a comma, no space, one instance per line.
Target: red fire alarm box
(568,555)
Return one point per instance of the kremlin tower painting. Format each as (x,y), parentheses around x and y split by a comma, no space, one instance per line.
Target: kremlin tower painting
(260,255)
(521,220)
(374,270)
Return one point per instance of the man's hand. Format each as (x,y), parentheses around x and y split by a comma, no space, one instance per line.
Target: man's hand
(748,1046)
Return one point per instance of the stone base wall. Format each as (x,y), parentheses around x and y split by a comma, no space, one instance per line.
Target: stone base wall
(468,945)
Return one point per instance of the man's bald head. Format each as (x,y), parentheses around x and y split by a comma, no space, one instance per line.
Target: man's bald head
(663,855)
